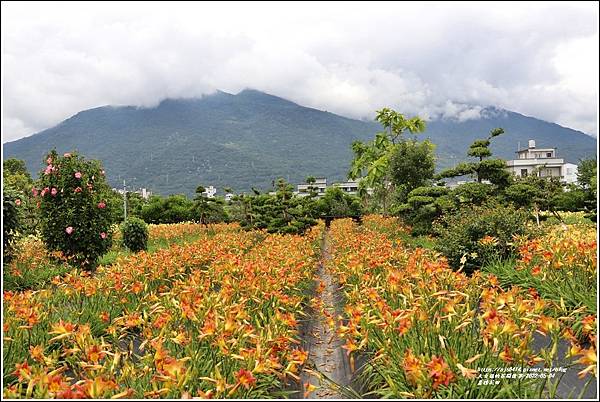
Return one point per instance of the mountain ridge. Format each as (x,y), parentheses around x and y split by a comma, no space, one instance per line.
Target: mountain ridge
(251,138)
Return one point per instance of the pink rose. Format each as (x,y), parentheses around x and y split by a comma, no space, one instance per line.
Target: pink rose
(101,205)
(44,191)
(78,175)
(54,191)
(49,161)
(34,191)
(18,202)
(48,169)
(67,155)
(69,230)
(103,235)
(78,190)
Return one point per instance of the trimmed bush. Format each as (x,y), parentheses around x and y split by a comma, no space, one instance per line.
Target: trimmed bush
(11,222)
(479,233)
(75,217)
(135,234)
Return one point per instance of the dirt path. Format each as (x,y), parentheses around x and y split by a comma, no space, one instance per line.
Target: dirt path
(326,356)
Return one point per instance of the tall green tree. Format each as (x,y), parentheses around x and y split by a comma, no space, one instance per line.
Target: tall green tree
(372,159)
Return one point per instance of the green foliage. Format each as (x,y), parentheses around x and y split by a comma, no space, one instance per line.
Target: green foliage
(587,180)
(493,170)
(337,203)
(11,222)
(208,210)
(372,159)
(135,234)
(473,193)
(75,218)
(171,209)
(17,178)
(278,212)
(423,206)
(480,234)
(412,165)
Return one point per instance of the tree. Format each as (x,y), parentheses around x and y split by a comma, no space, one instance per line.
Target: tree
(208,210)
(17,178)
(535,193)
(338,204)
(172,209)
(492,170)
(372,159)
(412,165)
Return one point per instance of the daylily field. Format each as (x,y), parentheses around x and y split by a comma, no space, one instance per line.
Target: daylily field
(217,311)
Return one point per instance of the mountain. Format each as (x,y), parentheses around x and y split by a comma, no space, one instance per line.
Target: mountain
(251,138)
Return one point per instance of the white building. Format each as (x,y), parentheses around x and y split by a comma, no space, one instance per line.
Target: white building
(229,196)
(542,162)
(349,187)
(142,191)
(319,186)
(210,192)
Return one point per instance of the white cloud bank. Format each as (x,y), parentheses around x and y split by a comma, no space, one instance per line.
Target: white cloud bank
(351,59)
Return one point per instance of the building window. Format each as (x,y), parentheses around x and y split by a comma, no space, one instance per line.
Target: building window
(523,172)
(549,154)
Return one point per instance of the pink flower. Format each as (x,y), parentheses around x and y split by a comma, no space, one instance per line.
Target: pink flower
(54,191)
(34,191)
(49,161)
(48,169)
(78,190)
(69,230)
(18,202)
(67,155)
(103,235)
(78,175)
(101,205)
(44,191)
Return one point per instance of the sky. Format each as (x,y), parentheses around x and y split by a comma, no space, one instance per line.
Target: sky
(437,60)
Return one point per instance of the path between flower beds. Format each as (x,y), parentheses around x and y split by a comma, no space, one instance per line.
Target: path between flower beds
(326,356)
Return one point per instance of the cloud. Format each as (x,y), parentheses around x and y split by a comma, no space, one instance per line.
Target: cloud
(351,58)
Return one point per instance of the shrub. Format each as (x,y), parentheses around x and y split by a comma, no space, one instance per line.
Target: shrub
(75,217)
(135,234)
(10,221)
(479,233)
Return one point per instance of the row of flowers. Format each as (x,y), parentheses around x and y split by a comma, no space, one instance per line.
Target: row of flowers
(428,331)
(214,318)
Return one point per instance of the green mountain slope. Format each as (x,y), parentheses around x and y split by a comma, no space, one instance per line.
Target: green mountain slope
(251,138)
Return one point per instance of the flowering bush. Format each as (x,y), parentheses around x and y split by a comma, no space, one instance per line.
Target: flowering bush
(135,234)
(475,235)
(75,217)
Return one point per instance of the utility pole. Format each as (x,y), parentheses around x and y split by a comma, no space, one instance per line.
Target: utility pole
(124,199)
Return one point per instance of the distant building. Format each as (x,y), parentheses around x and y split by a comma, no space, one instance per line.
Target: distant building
(145,194)
(209,192)
(319,186)
(229,196)
(348,187)
(542,162)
